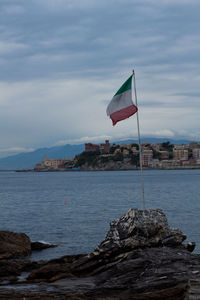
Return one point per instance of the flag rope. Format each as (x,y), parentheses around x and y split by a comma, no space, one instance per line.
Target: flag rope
(139,141)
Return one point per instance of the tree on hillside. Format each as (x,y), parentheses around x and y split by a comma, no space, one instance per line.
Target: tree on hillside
(167,146)
(135,159)
(118,157)
(113,148)
(135,145)
(89,157)
(156,154)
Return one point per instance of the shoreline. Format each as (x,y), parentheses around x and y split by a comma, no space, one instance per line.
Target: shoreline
(97,170)
(141,257)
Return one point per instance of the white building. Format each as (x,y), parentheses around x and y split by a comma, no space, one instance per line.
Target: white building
(196,153)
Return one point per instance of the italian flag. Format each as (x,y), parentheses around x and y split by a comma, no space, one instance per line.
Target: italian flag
(121,106)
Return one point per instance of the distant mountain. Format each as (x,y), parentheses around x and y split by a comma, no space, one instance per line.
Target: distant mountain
(153,141)
(28,160)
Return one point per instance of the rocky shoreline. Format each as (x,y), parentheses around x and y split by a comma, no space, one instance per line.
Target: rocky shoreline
(141,257)
(121,168)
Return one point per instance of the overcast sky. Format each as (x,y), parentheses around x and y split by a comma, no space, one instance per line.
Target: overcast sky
(61,62)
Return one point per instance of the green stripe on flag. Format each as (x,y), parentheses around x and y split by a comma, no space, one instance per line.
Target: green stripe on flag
(125,86)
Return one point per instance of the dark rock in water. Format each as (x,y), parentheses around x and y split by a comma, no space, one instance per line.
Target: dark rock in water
(37,246)
(190,246)
(14,244)
(140,258)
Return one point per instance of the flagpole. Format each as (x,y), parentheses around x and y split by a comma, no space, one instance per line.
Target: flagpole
(139,141)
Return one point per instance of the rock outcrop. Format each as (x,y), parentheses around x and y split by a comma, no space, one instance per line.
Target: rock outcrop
(14,244)
(140,258)
(139,229)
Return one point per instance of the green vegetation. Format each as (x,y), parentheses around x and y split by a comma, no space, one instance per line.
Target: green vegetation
(104,159)
(118,157)
(156,154)
(89,157)
(122,155)
(135,145)
(95,158)
(135,160)
(167,146)
(113,148)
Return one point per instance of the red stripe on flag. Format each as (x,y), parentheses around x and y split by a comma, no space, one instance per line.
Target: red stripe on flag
(123,114)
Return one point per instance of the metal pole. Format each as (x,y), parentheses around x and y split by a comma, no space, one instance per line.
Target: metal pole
(139,141)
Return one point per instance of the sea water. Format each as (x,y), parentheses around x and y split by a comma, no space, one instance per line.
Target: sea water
(74,209)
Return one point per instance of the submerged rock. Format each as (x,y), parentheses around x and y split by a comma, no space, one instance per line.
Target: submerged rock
(140,258)
(38,246)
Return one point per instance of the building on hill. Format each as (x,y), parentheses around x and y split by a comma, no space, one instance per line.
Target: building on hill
(50,163)
(168,164)
(53,162)
(156,147)
(198,161)
(181,147)
(105,148)
(118,150)
(194,145)
(147,157)
(134,150)
(91,147)
(180,154)
(164,154)
(196,153)
(154,163)
(125,152)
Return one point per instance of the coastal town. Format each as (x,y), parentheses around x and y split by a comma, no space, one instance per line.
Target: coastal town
(107,156)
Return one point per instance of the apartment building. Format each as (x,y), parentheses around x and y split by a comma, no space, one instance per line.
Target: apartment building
(147,156)
(52,163)
(164,154)
(105,148)
(180,154)
(91,147)
(196,153)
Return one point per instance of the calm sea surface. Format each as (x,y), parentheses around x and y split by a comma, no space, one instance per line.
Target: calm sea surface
(73,209)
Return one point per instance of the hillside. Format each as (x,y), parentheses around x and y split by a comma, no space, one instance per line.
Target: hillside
(28,160)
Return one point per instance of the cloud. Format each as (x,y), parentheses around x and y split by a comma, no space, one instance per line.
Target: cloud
(11,47)
(189,94)
(164,133)
(44,112)
(62,61)
(85,139)
(12,9)
(173,2)
(14,150)
(17,149)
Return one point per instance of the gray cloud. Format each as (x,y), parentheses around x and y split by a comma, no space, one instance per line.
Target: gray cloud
(61,62)
(65,36)
(189,94)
